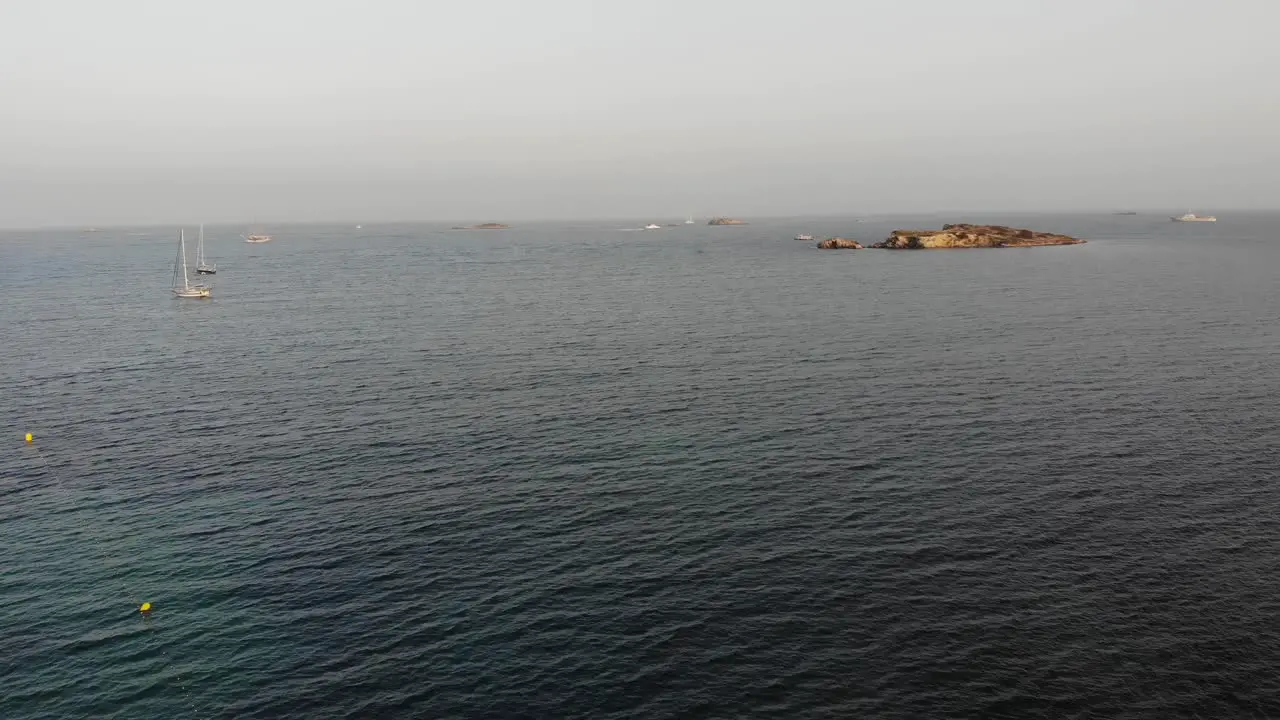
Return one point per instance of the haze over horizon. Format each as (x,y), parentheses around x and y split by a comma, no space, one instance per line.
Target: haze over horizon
(147,112)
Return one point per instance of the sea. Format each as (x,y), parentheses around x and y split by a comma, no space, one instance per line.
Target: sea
(576,470)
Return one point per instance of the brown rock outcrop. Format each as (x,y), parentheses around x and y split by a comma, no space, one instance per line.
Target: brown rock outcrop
(972,236)
(840,244)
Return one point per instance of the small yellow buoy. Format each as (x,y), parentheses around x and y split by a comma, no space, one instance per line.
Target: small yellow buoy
(145,609)
(30,438)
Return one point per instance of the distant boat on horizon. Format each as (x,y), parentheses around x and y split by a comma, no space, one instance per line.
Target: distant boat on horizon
(1192,217)
(651,226)
(1125,212)
(689,220)
(259,238)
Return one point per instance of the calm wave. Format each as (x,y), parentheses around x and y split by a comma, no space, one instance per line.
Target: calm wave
(562,471)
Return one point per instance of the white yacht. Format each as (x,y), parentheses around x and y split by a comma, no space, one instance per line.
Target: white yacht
(202,266)
(1192,217)
(185,289)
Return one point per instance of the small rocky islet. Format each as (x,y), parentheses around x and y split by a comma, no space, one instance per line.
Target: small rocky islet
(838,243)
(958,236)
(482,226)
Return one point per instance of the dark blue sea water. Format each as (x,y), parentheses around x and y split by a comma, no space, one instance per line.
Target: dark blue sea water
(564,471)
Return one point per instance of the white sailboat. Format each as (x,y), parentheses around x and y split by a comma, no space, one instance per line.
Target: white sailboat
(186,289)
(203,267)
(689,221)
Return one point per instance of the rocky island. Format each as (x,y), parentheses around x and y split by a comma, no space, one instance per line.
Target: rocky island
(482,226)
(726,221)
(840,244)
(972,236)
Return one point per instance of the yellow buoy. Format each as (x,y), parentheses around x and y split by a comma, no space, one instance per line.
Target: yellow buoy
(30,438)
(145,609)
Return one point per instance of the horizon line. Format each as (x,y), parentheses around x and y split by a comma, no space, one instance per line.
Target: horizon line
(85,227)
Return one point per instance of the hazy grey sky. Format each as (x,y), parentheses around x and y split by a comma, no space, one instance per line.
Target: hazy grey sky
(136,111)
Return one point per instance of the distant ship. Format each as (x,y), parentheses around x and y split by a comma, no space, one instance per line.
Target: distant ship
(257,238)
(806,238)
(651,226)
(1125,212)
(1192,217)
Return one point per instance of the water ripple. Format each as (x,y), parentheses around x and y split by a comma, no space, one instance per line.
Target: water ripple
(576,474)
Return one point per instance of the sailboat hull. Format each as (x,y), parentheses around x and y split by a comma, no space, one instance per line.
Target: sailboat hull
(206,271)
(197,294)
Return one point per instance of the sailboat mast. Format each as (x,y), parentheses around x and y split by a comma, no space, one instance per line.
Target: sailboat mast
(200,247)
(177,258)
(182,241)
